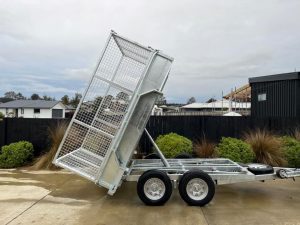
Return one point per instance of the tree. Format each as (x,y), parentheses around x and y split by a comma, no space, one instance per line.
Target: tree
(76,99)
(65,100)
(13,95)
(211,100)
(4,99)
(19,96)
(191,100)
(48,98)
(35,97)
(10,94)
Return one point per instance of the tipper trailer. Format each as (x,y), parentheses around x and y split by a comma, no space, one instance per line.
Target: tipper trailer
(112,116)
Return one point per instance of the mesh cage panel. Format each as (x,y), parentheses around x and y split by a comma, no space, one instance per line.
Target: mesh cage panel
(104,106)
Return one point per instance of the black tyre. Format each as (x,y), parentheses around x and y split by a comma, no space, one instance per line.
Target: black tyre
(196,188)
(183,156)
(154,187)
(259,169)
(152,156)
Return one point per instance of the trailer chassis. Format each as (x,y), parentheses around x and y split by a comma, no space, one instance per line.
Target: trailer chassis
(216,171)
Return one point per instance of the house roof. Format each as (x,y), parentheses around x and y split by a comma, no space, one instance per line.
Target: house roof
(276,77)
(69,107)
(217,104)
(41,104)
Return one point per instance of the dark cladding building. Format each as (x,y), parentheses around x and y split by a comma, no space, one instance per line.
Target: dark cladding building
(275,95)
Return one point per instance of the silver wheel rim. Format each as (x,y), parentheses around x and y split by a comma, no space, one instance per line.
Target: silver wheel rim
(282,173)
(197,189)
(154,188)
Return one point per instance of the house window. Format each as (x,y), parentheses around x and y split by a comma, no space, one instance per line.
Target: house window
(37,110)
(22,111)
(262,97)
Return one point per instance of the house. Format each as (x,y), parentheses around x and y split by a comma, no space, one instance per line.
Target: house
(218,107)
(33,109)
(276,95)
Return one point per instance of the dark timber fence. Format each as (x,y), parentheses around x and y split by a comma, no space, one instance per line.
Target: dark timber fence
(193,127)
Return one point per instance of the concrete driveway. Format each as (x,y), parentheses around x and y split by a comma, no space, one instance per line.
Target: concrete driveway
(43,197)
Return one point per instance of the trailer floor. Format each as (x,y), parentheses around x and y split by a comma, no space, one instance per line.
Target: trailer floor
(43,197)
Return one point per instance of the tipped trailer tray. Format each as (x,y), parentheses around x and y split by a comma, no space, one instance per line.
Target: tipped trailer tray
(110,119)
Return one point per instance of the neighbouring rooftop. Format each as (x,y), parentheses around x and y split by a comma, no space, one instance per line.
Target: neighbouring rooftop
(218,104)
(42,104)
(276,77)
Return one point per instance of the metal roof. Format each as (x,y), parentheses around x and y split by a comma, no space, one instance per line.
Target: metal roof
(40,104)
(276,77)
(218,104)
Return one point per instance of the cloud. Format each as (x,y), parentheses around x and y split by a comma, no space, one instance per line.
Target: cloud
(29,84)
(78,74)
(52,46)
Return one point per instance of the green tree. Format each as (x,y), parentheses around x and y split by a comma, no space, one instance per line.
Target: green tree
(20,96)
(191,100)
(13,95)
(65,100)
(35,97)
(48,98)
(76,99)
(211,100)
(4,99)
(10,94)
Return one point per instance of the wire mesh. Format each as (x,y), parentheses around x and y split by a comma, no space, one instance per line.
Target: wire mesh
(105,104)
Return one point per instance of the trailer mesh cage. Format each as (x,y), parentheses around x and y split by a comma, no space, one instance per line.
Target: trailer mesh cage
(112,92)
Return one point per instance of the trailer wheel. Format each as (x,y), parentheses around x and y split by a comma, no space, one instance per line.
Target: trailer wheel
(183,156)
(154,187)
(196,188)
(259,169)
(281,173)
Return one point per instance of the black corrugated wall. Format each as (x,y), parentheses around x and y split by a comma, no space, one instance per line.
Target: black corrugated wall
(283,98)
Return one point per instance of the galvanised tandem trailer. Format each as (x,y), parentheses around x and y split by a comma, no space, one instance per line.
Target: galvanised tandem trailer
(110,119)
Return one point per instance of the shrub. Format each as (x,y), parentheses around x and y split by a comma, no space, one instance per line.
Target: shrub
(1,115)
(296,134)
(235,149)
(291,151)
(173,144)
(205,149)
(266,147)
(16,154)
(55,134)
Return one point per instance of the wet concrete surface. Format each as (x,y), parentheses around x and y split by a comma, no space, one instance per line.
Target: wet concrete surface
(43,197)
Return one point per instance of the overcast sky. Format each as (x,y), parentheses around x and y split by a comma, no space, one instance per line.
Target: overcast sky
(51,46)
